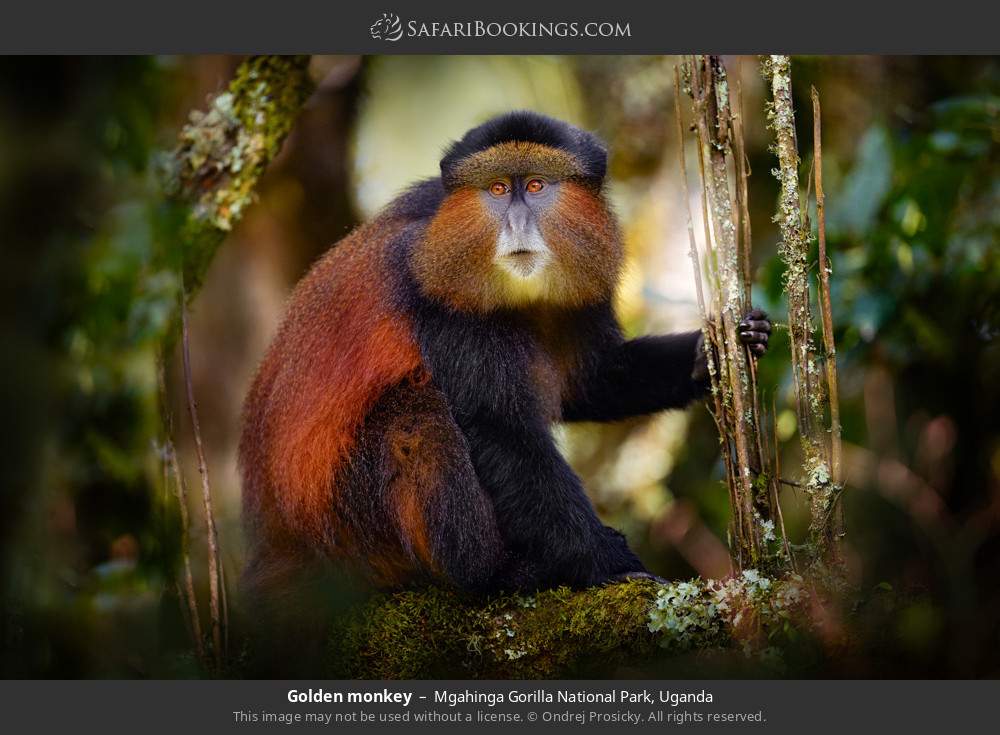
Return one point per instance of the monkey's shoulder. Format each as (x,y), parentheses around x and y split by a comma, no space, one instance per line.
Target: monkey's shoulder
(419,202)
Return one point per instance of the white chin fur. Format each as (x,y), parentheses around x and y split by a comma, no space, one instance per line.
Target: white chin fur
(523,255)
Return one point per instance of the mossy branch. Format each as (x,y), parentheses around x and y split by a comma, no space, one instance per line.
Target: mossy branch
(223,151)
(634,626)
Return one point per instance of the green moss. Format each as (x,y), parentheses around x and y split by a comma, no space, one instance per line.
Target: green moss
(439,633)
(223,151)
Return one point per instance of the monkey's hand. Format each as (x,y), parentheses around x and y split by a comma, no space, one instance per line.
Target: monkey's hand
(755,330)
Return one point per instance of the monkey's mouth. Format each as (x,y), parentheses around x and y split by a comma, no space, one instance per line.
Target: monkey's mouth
(522,254)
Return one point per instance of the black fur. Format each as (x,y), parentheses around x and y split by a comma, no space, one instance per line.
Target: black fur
(631,378)
(507,484)
(529,127)
(481,366)
(420,201)
(551,534)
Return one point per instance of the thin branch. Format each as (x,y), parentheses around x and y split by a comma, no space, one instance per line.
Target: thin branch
(219,621)
(192,600)
(693,245)
(742,183)
(171,469)
(836,450)
(794,250)
(776,483)
(756,405)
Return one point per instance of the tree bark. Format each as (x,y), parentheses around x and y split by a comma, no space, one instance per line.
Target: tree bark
(794,250)
(734,390)
(210,178)
(222,153)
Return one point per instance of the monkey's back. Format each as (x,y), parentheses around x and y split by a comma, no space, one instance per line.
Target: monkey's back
(341,346)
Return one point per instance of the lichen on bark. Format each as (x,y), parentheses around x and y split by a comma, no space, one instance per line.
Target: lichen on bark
(794,250)
(560,633)
(734,390)
(223,151)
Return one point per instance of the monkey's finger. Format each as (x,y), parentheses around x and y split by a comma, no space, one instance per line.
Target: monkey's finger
(756,341)
(755,325)
(754,335)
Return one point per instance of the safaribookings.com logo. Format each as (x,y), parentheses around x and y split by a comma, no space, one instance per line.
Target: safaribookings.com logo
(387,28)
(390,28)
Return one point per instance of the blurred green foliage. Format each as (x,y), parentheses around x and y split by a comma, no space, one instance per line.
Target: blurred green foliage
(87,545)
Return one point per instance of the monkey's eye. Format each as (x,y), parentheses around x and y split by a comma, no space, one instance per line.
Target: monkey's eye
(499,188)
(534,186)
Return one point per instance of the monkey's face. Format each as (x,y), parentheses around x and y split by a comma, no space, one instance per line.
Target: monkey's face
(521,229)
(517,204)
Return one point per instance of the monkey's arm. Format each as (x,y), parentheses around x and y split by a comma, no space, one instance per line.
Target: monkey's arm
(638,376)
(649,374)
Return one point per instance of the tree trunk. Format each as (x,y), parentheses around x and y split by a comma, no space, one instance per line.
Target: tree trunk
(210,178)
(752,483)
(222,153)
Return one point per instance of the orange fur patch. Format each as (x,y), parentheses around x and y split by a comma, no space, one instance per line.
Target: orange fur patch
(455,261)
(340,347)
(583,235)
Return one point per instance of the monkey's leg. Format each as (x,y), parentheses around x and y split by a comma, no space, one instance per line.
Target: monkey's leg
(443,522)
(549,526)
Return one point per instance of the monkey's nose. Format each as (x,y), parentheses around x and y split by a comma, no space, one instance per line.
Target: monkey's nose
(517,218)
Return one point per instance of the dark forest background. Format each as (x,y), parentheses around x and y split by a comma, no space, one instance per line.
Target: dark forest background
(89,532)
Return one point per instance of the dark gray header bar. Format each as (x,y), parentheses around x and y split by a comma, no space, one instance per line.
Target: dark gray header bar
(514,27)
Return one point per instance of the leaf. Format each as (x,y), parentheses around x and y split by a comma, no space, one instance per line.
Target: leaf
(853,209)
